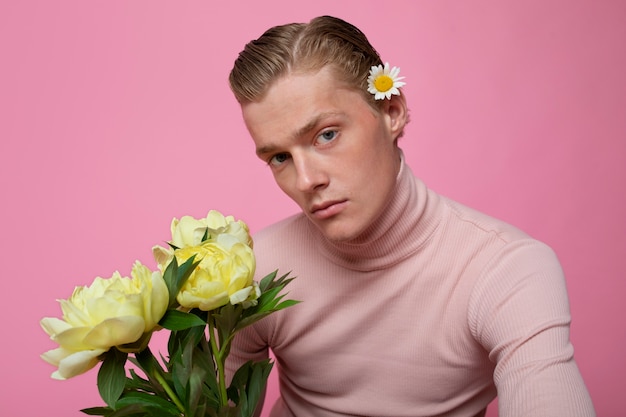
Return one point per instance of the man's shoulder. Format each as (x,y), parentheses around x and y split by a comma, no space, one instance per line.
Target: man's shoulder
(283,243)
(486,224)
(282,229)
(499,241)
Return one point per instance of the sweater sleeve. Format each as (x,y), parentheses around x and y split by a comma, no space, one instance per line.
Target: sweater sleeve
(519,312)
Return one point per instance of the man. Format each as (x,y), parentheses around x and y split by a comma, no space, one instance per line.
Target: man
(412,304)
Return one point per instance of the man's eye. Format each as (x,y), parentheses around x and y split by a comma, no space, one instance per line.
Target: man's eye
(327,136)
(278,159)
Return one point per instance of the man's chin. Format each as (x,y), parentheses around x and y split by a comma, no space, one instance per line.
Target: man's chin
(336,232)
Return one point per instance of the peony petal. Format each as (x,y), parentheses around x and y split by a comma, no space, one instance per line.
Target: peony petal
(184,234)
(77,363)
(156,302)
(115,331)
(214,302)
(173,225)
(215,219)
(162,256)
(54,326)
(115,304)
(227,241)
(73,312)
(55,356)
(208,298)
(241,295)
(74,338)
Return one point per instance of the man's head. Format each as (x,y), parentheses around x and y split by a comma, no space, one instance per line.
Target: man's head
(304,48)
(331,147)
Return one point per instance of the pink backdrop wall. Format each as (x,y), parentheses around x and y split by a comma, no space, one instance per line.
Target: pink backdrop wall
(116,117)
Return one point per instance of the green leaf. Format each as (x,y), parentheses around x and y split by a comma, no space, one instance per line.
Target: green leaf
(149,365)
(246,321)
(226,319)
(181,369)
(285,304)
(179,320)
(203,359)
(195,384)
(248,385)
(98,411)
(267,280)
(238,382)
(152,404)
(147,362)
(133,410)
(256,384)
(270,289)
(268,302)
(270,281)
(200,411)
(268,307)
(188,348)
(180,338)
(112,376)
(176,275)
(135,381)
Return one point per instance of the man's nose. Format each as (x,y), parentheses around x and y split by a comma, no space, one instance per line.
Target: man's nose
(310,174)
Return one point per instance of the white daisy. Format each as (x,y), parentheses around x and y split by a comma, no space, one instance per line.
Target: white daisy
(383,82)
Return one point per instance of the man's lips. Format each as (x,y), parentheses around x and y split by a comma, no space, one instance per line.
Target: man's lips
(328,209)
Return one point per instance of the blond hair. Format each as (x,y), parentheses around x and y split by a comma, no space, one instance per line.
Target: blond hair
(302,48)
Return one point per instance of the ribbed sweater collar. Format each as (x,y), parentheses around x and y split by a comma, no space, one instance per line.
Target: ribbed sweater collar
(407,222)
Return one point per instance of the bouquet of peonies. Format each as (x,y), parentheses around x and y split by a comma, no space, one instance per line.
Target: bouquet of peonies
(204,293)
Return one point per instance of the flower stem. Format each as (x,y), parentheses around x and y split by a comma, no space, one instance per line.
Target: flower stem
(169,391)
(152,369)
(219,362)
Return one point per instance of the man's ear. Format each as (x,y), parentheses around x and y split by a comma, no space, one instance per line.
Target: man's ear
(397,114)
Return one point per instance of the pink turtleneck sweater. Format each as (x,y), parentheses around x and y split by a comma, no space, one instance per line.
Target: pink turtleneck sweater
(432,312)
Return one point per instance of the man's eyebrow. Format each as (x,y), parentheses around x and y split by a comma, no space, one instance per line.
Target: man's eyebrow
(264,150)
(308,127)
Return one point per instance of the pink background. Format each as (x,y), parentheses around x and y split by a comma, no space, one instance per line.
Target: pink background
(116,117)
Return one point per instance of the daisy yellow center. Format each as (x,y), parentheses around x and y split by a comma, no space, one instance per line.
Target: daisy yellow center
(383,83)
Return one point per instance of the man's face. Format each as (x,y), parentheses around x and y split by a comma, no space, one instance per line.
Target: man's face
(328,149)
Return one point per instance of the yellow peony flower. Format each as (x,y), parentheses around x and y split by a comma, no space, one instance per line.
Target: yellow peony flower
(110,312)
(225,274)
(189,231)
(383,81)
